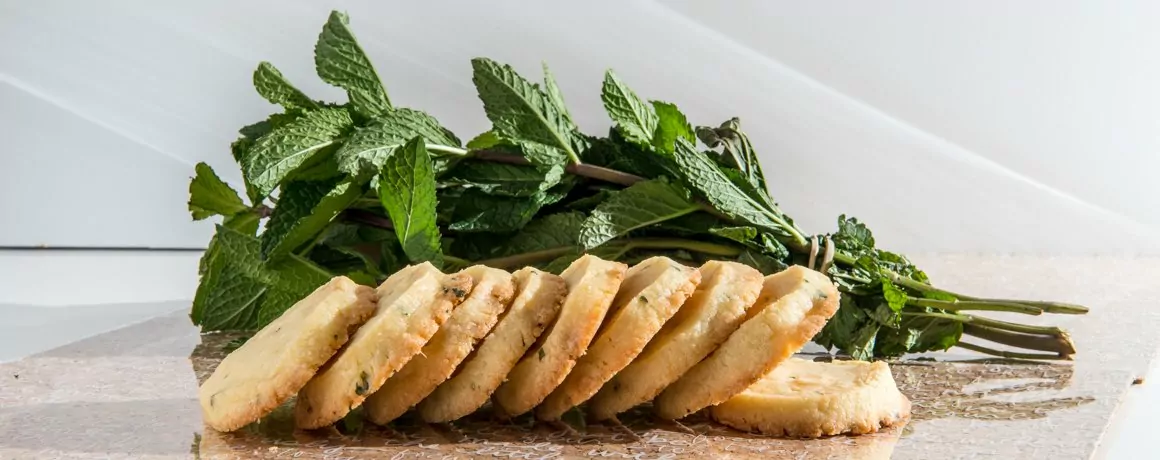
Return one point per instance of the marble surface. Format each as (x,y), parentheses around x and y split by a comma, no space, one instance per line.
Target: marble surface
(131,393)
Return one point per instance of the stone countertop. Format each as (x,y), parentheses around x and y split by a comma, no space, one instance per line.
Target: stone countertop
(131,393)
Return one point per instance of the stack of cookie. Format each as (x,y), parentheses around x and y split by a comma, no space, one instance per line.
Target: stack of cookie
(600,334)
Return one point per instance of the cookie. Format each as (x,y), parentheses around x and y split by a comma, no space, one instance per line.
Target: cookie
(277,361)
(412,304)
(805,399)
(491,293)
(792,307)
(592,284)
(650,294)
(715,310)
(536,304)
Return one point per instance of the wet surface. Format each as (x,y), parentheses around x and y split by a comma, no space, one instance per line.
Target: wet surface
(132,394)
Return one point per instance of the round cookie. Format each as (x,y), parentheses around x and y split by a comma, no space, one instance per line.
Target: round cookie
(650,294)
(491,293)
(715,310)
(592,284)
(537,302)
(806,399)
(412,304)
(277,361)
(792,308)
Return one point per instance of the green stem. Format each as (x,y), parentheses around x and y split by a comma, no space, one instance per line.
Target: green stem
(960,305)
(450,150)
(932,314)
(1015,327)
(1010,354)
(1060,345)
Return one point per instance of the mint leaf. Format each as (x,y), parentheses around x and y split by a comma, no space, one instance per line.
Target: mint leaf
(477,211)
(521,113)
(894,295)
(304,210)
(275,88)
(763,263)
(917,334)
(633,116)
(640,205)
(407,190)
(701,174)
(549,232)
(671,124)
(238,292)
(554,93)
(209,195)
(340,61)
(244,222)
(278,153)
(499,178)
(368,148)
(484,140)
(744,235)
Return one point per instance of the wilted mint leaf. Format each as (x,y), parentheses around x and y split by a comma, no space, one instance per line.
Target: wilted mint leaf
(633,116)
(521,113)
(273,157)
(640,205)
(209,195)
(407,190)
(275,88)
(341,62)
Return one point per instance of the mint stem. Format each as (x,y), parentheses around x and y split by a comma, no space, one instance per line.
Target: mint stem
(1010,354)
(584,170)
(961,305)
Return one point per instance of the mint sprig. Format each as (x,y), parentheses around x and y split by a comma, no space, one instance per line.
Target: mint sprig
(363,188)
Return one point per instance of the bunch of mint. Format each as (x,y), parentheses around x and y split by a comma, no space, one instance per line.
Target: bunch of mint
(365,188)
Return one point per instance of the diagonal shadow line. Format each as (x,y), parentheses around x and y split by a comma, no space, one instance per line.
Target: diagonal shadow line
(942,145)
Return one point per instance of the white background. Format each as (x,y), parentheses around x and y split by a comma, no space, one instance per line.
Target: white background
(985,126)
(948,126)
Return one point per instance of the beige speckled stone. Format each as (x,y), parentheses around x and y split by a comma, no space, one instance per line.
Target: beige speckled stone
(131,393)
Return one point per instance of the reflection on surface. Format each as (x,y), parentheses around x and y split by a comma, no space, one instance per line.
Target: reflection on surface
(936,389)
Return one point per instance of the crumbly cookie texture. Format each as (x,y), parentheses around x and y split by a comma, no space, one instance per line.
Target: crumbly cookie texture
(412,304)
(491,293)
(592,285)
(536,305)
(277,361)
(792,308)
(715,310)
(809,399)
(650,294)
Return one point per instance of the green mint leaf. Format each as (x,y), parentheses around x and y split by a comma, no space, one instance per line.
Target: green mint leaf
(894,295)
(477,211)
(701,174)
(737,153)
(238,292)
(671,124)
(340,61)
(744,235)
(243,222)
(592,201)
(632,115)
(499,178)
(852,235)
(917,334)
(554,93)
(521,113)
(485,140)
(209,195)
(368,148)
(765,264)
(640,205)
(549,232)
(241,147)
(321,166)
(281,151)
(304,209)
(275,88)
(407,190)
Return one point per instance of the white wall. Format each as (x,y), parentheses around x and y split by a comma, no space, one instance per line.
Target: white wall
(948,126)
